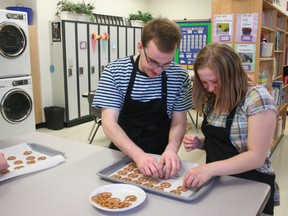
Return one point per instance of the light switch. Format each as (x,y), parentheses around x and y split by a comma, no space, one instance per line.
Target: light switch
(70,62)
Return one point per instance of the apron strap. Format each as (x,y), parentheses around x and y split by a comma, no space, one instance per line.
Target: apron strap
(164,88)
(133,76)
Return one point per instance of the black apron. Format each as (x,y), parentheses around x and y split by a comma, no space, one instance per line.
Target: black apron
(146,123)
(218,146)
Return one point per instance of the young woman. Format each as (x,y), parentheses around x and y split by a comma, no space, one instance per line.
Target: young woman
(239,120)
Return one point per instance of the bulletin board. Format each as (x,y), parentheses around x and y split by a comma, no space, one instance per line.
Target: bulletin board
(196,34)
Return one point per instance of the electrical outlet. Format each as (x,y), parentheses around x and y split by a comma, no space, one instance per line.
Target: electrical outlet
(81,71)
(70,72)
(92,69)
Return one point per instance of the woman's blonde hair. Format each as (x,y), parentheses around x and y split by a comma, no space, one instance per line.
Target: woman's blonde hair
(233,80)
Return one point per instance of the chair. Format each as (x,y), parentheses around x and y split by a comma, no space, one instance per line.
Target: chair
(189,113)
(195,123)
(96,113)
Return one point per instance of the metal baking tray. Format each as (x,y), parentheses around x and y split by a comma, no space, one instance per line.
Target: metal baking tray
(53,158)
(45,150)
(192,194)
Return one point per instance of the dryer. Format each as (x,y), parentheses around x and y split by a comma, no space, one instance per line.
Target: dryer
(16,106)
(14,44)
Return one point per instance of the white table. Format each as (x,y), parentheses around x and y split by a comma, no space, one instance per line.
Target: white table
(64,189)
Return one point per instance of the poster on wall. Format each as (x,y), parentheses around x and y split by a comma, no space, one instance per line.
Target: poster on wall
(247,53)
(223,28)
(195,36)
(56,31)
(247,26)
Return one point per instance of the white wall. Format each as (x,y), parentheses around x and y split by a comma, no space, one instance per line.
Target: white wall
(181,9)
(44,10)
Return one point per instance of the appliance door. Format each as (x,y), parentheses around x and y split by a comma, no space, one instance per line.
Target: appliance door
(16,106)
(13,40)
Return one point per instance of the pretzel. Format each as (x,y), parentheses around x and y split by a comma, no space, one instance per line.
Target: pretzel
(154,181)
(30,157)
(18,162)
(137,171)
(11,158)
(116,176)
(127,179)
(129,168)
(133,164)
(159,187)
(122,172)
(131,198)
(27,152)
(149,185)
(165,184)
(137,181)
(133,175)
(18,167)
(175,192)
(126,203)
(143,178)
(182,188)
(31,162)
(42,158)
(106,200)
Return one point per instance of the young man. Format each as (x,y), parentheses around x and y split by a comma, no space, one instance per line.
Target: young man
(144,100)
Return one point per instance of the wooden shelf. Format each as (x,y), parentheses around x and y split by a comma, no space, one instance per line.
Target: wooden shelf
(273,25)
(266,59)
(282,107)
(267,29)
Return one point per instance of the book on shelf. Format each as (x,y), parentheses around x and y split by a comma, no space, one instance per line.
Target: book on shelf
(277,92)
(264,19)
(280,128)
(277,40)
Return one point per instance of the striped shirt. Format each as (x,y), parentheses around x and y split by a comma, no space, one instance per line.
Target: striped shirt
(115,78)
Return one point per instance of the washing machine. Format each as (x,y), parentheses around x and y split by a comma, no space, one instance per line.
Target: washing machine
(14,44)
(16,106)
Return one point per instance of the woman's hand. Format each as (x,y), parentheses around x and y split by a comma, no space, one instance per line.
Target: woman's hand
(3,163)
(197,176)
(191,142)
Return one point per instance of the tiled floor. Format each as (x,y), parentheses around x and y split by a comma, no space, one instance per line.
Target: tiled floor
(279,157)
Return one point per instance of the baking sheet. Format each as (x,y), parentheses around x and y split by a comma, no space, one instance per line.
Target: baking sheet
(52,158)
(109,172)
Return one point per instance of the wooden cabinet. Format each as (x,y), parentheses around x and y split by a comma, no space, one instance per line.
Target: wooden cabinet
(272,31)
(35,73)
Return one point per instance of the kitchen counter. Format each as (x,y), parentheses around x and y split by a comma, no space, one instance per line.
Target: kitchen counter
(64,189)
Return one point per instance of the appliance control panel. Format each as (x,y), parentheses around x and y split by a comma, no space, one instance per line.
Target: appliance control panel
(20,82)
(15,16)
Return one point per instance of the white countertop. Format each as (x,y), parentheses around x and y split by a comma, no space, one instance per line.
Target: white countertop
(64,189)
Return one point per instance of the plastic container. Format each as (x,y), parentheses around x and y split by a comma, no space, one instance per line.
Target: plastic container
(263,79)
(23,9)
(266,50)
(54,117)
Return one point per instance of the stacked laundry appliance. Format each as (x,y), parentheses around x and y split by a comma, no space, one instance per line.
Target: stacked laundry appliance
(16,95)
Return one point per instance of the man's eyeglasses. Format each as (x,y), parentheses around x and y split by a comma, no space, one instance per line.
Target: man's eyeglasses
(155,64)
